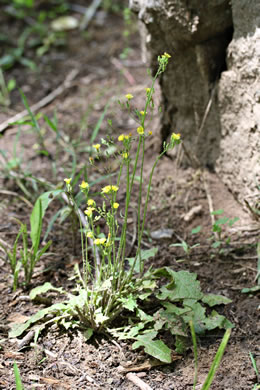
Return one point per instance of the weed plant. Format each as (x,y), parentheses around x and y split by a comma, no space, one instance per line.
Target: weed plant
(5,89)
(26,258)
(118,295)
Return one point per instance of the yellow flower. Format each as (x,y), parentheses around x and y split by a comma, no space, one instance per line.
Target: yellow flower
(121,137)
(150,132)
(130,135)
(142,112)
(115,205)
(100,241)
(148,90)
(175,137)
(166,55)
(129,96)
(97,146)
(84,185)
(109,189)
(126,136)
(67,181)
(91,202)
(89,211)
(125,155)
(90,235)
(140,130)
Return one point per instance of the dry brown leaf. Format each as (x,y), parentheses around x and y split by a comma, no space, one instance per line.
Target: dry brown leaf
(17,318)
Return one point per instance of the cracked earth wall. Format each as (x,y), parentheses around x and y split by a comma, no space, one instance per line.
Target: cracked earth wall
(211,90)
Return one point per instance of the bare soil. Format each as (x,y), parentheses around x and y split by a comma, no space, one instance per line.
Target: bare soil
(65,360)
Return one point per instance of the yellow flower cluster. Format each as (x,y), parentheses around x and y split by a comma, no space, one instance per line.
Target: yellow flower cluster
(123,136)
(125,156)
(67,181)
(175,137)
(166,55)
(140,130)
(97,147)
(89,211)
(100,241)
(129,96)
(109,189)
(90,235)
(115,205)
(91,202)
(84,185)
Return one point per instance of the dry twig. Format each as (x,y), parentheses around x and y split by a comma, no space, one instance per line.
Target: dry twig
(210,202)
(118,65)
(89,14)
(138,381)
(43,102)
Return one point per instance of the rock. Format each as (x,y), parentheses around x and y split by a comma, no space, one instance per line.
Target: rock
(162,233)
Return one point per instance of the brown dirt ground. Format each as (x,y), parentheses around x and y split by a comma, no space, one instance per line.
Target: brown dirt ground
(66,361)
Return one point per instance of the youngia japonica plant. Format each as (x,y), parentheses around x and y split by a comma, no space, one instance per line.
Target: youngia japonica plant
(121,296)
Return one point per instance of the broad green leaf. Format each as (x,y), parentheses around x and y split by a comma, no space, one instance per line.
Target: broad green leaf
(196,230)
(155,348)
(197,315)
(181,344)
(149,284)
(127,332)
(217,212)
(88,333)
(129,303)
(213,300)
(145,255)
(173,309)
(143,316)
(221,221)
(100,318)
(36,224)
(43,289)
(232,221)
(216,320)
(251,289)
(47,197)
(11,85)
(18,329)
(183,286)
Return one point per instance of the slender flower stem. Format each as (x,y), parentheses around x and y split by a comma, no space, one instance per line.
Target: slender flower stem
(128,196)
(139,235)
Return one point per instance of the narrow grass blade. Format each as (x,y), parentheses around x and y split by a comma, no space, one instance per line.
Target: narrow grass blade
(18,381)
(254,364)
(194,342)
(32,116)
(217,360)
(258,263)
(99,123)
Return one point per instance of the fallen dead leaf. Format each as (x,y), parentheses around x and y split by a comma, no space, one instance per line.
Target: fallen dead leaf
(17,318)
